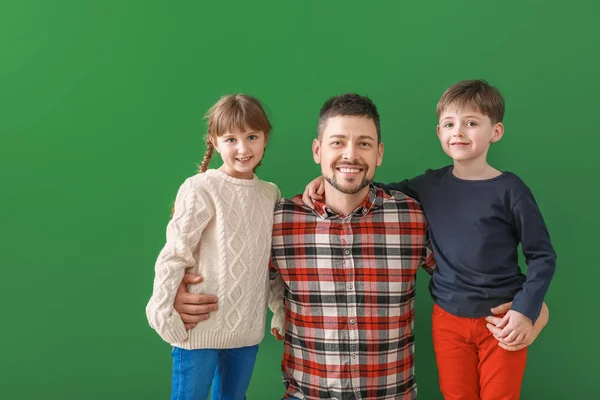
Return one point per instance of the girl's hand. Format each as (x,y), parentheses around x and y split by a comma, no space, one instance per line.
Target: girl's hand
(314,191)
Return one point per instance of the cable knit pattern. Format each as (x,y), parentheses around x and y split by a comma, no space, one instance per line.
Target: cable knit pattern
(221,230)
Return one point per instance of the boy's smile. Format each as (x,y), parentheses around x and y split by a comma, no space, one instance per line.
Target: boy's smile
(466,134)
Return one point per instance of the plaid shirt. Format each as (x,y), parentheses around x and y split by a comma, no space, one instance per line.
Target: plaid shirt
(349,296)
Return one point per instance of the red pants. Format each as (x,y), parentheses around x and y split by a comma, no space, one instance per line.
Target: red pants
(471,365)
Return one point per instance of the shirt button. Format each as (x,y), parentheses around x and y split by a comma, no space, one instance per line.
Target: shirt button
(353,356)
(346,252)
(352,321)
(365,211)
(350,286)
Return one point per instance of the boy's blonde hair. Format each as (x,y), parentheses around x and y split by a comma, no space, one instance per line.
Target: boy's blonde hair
(474,93)
(234,112)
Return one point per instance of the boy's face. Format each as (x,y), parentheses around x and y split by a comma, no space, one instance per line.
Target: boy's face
(466,134)
(348,152)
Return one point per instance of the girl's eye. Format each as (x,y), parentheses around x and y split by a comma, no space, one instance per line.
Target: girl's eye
(230,140)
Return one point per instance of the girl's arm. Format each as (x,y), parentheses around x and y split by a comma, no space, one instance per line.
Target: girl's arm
(191,215)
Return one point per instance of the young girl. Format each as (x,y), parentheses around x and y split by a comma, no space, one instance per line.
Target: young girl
(221,229)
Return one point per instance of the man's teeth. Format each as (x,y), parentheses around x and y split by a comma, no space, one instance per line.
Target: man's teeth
(349,170)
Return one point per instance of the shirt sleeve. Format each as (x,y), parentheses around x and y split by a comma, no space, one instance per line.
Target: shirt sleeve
(410,187)
(191,215)
(429,263)
(539,255)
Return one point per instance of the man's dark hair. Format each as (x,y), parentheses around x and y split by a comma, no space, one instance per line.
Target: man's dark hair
(349,104)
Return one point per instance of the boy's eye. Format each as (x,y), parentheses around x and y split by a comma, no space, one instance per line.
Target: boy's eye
(448,125)
(471,123)
(252,137)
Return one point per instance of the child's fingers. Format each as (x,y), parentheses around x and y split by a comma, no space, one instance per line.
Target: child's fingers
(307,198)
(321,189)
(494,329)
(506,331)
(508,347)
(493,320)
(511,337)
(503,322)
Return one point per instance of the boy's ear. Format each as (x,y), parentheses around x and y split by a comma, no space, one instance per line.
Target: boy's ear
(498,132)
(437,129)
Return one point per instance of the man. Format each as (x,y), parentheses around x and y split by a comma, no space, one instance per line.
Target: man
(349,269)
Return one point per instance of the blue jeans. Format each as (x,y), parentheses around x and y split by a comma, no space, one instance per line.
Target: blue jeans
(227,370)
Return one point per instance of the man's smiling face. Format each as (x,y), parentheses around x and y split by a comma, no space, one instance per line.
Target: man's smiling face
(349,152)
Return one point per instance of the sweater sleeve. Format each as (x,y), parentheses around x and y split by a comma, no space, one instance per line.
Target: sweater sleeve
(190,217)
(276,300)
(539,255)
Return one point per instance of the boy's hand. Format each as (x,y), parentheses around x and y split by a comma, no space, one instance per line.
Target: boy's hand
(275,333)
(515,327)
(314,191)
(539,325)
(193,308)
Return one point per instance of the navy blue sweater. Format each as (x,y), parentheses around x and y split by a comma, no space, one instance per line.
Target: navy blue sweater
(475,228)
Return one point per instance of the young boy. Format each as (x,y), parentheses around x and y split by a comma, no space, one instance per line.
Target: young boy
(477,217)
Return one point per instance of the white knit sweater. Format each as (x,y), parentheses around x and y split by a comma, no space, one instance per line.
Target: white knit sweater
(221,230)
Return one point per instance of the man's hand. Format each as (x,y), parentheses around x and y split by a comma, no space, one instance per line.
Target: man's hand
(193,308)
(314,191)
(493,323)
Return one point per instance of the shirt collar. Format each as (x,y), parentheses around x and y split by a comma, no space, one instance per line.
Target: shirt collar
(372,200)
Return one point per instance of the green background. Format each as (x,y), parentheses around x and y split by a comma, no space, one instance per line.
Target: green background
(101,106)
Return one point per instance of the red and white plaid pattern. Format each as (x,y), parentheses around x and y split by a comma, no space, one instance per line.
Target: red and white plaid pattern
(349,296)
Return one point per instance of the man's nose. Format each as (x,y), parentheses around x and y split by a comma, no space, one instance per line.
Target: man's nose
(350,152)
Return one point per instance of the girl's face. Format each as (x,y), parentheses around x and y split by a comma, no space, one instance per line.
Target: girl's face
(241,152)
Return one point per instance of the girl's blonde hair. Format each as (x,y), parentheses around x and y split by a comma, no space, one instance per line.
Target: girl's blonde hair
(234,112)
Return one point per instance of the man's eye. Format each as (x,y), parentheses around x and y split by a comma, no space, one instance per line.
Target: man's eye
(365,144)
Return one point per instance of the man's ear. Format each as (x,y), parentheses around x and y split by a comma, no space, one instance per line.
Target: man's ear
(379,154)
(316,150)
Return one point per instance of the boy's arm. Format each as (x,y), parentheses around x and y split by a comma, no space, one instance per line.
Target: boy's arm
(191,215)
(539,255)
(539,325)
(406,186)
